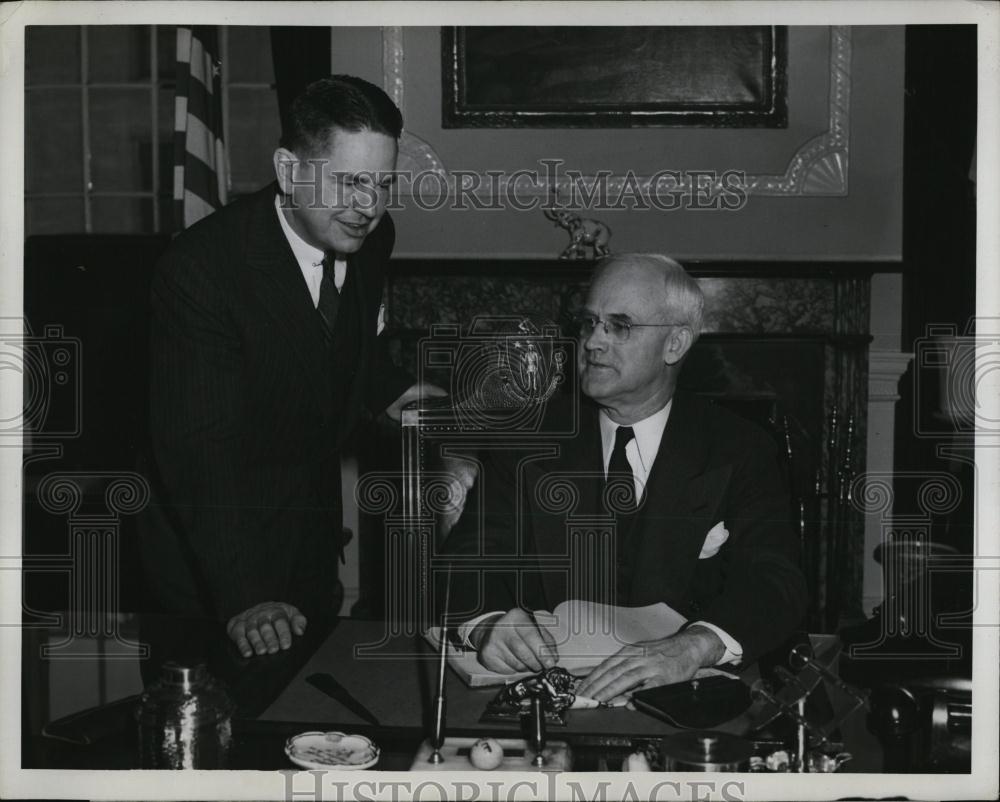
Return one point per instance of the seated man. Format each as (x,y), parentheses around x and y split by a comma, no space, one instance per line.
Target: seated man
(706,532)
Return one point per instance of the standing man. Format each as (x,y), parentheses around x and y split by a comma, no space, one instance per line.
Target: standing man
(265,356)
(706,530)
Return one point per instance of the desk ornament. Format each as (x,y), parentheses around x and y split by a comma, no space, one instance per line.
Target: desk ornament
(185,720)
(588,238)
(439,753)
(497,754)
(486,754)
(493,754)
(553,686)
(815,749)
(337,751)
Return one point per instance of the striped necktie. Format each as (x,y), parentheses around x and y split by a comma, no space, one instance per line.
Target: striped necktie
(329,296)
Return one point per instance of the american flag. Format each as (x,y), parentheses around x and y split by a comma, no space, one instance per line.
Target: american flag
(200,170)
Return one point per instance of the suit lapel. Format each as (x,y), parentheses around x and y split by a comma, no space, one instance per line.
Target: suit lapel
(356,264)
(277,279)
(670,527)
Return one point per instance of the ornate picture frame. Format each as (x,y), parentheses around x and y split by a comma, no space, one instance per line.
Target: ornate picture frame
(586,77)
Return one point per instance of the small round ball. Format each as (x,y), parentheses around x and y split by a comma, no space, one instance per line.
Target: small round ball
(486,754)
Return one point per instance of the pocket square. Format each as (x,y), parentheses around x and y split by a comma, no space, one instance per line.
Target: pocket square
(380,322)
(716,536)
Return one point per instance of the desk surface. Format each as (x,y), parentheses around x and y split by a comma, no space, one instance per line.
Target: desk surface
(397,682)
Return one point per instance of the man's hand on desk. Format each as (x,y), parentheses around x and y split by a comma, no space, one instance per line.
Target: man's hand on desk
(414,393)
(265,628)
(513,642)
(652,663)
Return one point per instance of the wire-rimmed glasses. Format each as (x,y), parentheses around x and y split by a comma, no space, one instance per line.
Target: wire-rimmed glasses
(618,329)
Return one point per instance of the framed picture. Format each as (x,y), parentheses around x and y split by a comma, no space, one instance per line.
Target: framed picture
(614,77)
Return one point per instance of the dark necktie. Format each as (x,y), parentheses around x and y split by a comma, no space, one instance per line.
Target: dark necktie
(329,297)
(619,462)
(619,468)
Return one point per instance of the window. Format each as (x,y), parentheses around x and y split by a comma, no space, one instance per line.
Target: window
(99,120)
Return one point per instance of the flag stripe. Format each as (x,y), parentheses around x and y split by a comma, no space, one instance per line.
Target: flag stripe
(196,60)
(195,208)
(200,104)
(221,171)
(183,44)
(178,182)
(200,141)
(180,112)
(200,179)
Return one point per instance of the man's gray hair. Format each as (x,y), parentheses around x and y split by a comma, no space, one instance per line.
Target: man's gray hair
(685,302)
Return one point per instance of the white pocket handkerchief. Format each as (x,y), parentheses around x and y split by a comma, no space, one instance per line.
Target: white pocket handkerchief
(380,322)
(716,536)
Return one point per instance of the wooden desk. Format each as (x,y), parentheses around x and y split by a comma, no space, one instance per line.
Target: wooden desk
(397,683)
(399,690)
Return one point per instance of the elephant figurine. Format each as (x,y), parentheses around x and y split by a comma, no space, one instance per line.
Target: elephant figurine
(584,233)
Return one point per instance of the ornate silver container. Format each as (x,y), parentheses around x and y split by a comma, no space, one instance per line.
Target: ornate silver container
(185,720)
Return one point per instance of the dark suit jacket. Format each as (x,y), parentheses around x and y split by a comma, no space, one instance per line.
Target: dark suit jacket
(246,438)
(712,467)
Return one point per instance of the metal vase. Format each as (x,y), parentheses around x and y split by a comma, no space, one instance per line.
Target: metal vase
(185,720)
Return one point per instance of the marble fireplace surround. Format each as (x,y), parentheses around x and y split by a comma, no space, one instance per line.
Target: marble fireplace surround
(793,336)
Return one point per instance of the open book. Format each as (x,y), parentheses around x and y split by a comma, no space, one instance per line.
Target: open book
(585,634)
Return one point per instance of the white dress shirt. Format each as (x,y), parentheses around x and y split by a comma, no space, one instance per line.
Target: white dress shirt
(310,259)
(641,449)
(640,452)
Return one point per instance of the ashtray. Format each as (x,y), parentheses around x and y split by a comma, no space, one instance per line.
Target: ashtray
(332,750)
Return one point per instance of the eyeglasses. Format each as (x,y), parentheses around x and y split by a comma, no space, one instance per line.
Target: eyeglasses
(617,329)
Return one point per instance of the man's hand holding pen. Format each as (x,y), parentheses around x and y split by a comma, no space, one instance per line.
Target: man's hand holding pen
(514,642)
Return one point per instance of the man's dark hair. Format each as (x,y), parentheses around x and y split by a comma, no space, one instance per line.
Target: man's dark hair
(340,101)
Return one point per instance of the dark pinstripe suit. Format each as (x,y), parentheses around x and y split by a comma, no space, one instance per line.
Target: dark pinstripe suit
(246,428)
(711,466)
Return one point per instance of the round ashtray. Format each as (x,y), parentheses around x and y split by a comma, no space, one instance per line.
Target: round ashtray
(332,750)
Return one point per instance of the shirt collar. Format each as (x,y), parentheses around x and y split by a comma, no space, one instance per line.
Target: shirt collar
(648,434)
(305,254)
